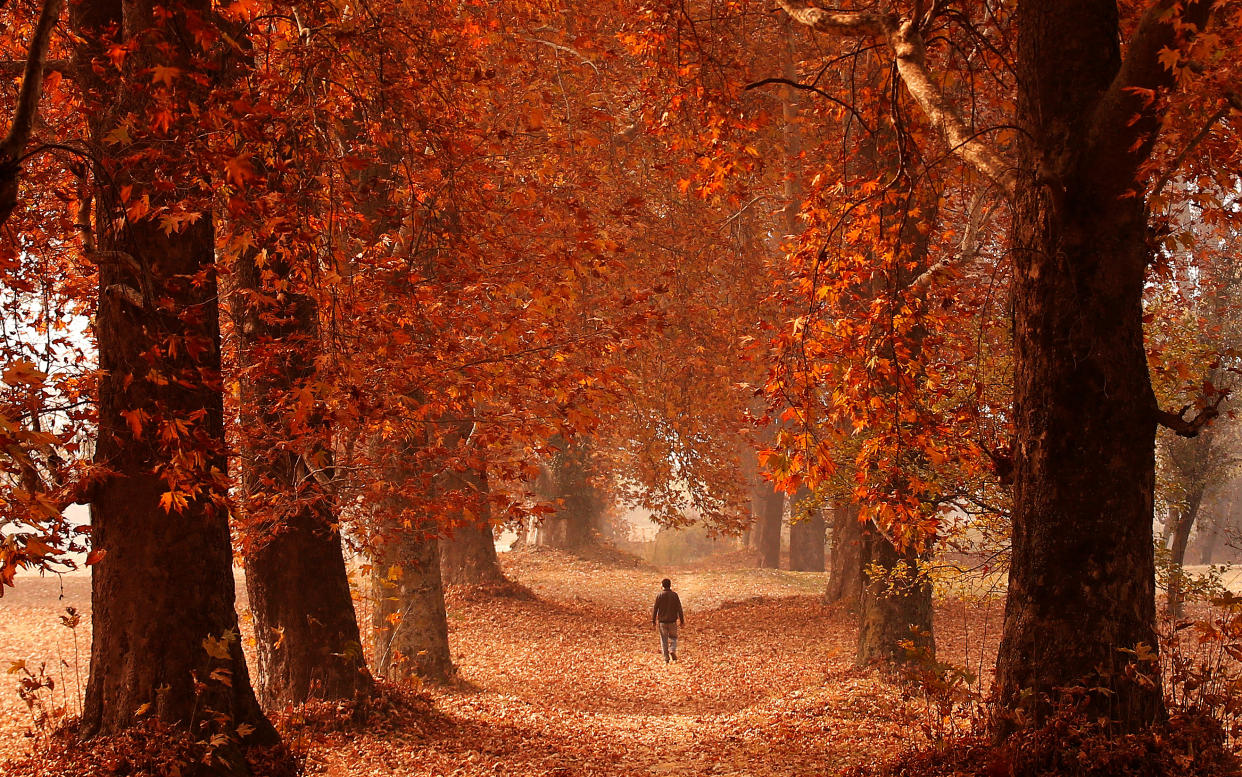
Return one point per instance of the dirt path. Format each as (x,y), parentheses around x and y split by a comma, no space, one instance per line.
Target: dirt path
(572,683)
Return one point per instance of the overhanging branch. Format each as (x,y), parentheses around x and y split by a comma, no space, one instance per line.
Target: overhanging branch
(910,56)
(1190,427)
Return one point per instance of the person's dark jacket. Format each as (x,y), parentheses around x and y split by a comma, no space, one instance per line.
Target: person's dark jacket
(668,608)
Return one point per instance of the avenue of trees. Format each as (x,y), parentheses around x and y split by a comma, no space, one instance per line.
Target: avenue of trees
(280,281)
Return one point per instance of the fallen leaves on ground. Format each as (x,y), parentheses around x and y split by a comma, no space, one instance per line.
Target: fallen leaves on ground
(572,682)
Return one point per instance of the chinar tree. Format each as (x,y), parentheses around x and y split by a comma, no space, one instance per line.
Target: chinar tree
(1093,90)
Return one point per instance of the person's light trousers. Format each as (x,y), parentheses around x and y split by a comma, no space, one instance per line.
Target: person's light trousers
(668,639)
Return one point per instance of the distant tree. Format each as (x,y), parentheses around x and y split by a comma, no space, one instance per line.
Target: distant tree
(577,516)
(806,534)
(845,576)
(468,551)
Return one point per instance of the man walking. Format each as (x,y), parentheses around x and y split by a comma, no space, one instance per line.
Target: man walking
(665,616)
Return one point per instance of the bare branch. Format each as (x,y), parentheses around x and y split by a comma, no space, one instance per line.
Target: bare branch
(743,209)
(15,141)
(1190,427)
(816,90)
(967,250)
(910,57)
(10,68)
(840,22)
(1232,103)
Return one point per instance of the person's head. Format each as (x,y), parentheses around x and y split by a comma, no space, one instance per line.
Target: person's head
(668,584)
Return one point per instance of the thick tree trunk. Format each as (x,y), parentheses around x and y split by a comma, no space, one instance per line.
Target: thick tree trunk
(845,581)
(411,626)
(309,644)
(895,606)
(806,537)
(165,632)
(579,512)
(806,544)
(895,600)
(468,554)
(1081,597)
(164,590)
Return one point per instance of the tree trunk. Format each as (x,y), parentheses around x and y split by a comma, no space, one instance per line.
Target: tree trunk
(411,626)
(895,599)
(164,590)
(1081,584)
(895,608)
(468,555)
(523,536)
(306,630)
(309,644)
(769,509)
(1170,521)
(579,510)
(1177,552)
(806,537)
(1208,549)
(165,632)
(845,580)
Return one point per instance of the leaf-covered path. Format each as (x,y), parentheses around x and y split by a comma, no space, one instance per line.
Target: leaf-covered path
(572,683)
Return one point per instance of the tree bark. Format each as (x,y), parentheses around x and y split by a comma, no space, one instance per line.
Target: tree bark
(309,644)
(1186,518)
(895,599)
(13,145)
(411,625)
(895,607)
(845,580)
(468,554)
(1207,551)
(806,537)
(1081,586)
(768,505)
(165,585)
(165,632)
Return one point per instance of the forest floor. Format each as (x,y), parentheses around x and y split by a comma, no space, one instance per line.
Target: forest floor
(572,683)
